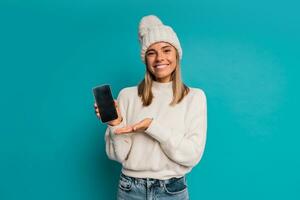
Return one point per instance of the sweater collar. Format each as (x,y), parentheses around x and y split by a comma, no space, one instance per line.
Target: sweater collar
(162,87)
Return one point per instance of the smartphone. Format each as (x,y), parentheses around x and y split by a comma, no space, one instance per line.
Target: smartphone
(105,102)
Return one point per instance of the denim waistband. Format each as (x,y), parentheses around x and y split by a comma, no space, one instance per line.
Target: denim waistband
(152,181)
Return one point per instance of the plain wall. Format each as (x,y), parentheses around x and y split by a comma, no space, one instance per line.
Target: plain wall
(243,54)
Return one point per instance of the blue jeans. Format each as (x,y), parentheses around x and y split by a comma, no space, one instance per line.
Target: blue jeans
(131,188)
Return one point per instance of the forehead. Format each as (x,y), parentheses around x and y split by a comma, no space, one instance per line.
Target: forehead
(159,45)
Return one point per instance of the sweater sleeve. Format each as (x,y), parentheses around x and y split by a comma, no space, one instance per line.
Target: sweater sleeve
(184,148)
(118,146)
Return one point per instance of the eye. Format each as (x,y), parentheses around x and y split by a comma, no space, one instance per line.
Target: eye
(167,50)
(150,53)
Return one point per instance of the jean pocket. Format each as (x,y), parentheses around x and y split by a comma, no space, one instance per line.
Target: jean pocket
(125,184)
(175,186)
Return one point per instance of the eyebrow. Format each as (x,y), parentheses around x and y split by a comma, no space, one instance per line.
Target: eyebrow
(161,48)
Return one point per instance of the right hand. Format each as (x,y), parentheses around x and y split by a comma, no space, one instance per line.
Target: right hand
(112,122)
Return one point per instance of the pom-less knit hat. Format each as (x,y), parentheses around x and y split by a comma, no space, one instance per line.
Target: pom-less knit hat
(152,30)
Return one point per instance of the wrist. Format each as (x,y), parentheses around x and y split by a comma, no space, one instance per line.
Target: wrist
(116,123)
(149,122)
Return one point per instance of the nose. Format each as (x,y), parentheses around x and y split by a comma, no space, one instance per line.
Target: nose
(159,56)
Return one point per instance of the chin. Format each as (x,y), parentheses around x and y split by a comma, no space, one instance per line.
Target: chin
(161,77)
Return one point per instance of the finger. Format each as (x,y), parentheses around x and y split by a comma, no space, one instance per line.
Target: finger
(119,132)
(116,103)
(122,132)
(125,129)
(95,105)
(98,115)
(135,128)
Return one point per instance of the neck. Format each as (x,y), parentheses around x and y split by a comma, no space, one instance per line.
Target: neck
(165,87)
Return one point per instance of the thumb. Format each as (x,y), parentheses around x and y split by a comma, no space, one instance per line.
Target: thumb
(116,103)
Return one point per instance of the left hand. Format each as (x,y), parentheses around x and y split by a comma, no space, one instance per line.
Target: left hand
(140,126)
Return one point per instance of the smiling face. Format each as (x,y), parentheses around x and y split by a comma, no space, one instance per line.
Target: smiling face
(161,60)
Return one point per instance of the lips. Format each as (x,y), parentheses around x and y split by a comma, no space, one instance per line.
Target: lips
(161,66)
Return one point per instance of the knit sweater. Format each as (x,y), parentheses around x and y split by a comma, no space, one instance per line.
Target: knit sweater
(174,141)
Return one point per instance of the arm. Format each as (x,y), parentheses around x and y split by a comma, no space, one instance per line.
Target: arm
(118,146)
(184,148)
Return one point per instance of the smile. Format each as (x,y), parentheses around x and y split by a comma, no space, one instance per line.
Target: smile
(160,66)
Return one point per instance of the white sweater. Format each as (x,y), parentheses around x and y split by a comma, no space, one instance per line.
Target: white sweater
(172,144)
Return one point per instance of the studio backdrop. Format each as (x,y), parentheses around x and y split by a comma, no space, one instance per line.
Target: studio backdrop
(243,54)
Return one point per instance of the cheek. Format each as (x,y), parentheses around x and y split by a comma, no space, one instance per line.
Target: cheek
(172,57)
(173,60)
(173,66)
(149,61)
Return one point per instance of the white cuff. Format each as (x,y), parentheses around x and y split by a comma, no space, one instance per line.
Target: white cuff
(158,132)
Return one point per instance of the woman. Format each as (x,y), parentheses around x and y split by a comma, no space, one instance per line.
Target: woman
(160,133)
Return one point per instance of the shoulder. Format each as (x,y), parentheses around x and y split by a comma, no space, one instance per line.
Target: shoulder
(197,100)
(197,93)
(127,92)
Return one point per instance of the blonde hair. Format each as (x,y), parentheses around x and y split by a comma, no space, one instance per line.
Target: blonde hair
(180,90)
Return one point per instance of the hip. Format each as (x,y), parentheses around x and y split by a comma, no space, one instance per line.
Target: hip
(148,188)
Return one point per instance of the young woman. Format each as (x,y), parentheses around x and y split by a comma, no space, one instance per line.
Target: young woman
(160,133)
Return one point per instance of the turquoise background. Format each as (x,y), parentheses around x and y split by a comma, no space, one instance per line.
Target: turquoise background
(243,54)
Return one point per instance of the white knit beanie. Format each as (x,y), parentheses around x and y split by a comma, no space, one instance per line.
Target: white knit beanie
(152,30)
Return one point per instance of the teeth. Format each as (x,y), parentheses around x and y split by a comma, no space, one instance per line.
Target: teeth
(161,66)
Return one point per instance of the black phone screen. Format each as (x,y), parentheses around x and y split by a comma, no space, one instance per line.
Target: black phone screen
(105,102)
